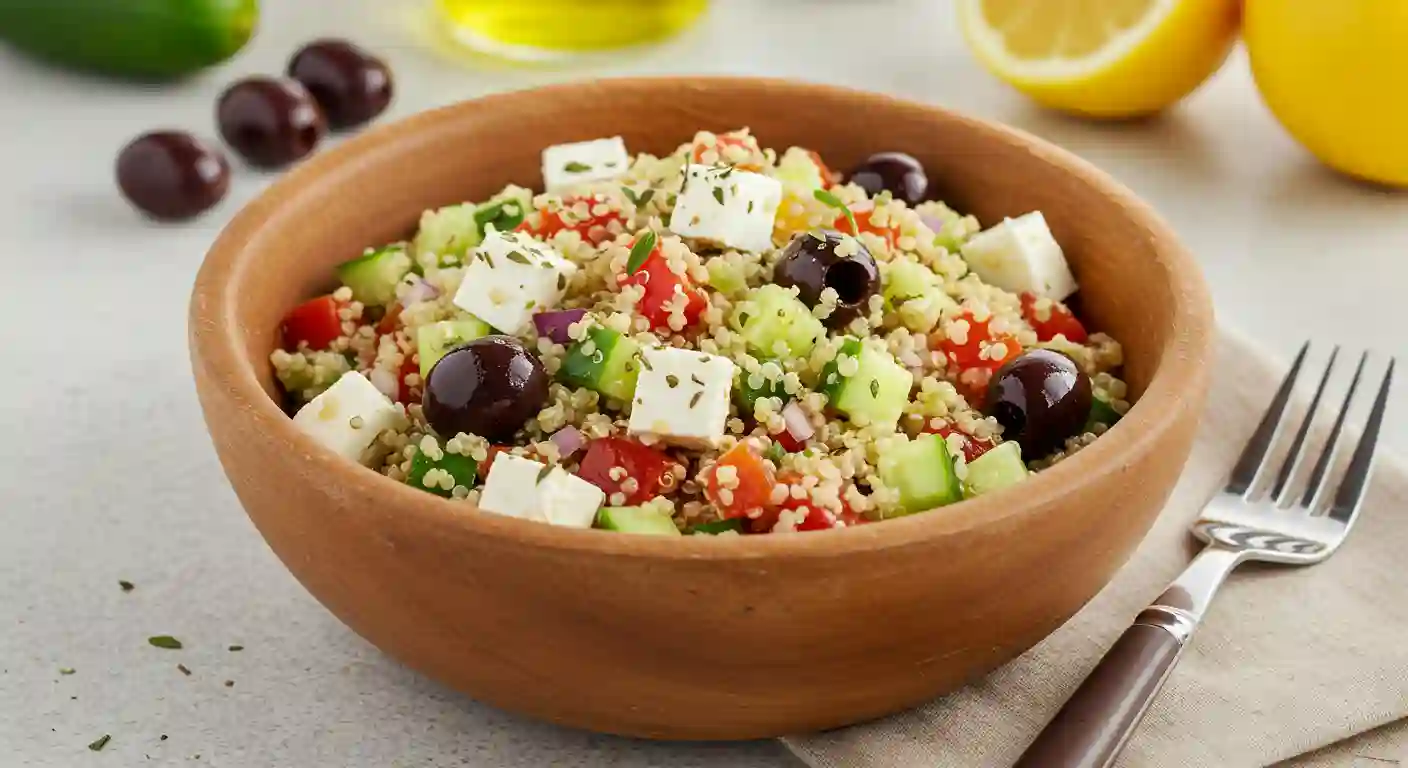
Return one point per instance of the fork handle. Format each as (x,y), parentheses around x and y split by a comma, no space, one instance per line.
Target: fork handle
(1095,722)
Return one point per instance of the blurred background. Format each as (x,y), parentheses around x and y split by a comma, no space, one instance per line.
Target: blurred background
(1240,165)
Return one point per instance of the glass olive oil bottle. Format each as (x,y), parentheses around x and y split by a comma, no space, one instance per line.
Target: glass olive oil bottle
(563,27)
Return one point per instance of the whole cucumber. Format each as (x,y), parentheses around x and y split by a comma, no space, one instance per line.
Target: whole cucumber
(145,39)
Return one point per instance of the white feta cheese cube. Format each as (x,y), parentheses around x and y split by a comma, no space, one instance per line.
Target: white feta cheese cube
(509,278)
(1020,255)
(348,416)
(567,165)
(682,396)
(518,487)
(733,208)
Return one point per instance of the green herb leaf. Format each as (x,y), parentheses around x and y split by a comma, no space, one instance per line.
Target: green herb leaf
(65,670)
(518,257)
(631,195)
(693,401)
(543,473)
(184,670)
(576,167)
(126,585)
(504,215)
(646,196)
(229,683)
(694,377)
(641,251)
(561,282)
(671,380)
(775,452)
(719,194)
(102,741)
(874,388)
(835,202)
(237,648)
(750,206)
(165,641)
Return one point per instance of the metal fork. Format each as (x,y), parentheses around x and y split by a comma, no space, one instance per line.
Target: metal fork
(1247,521)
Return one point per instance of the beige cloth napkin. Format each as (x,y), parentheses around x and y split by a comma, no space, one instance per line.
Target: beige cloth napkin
(1287,662)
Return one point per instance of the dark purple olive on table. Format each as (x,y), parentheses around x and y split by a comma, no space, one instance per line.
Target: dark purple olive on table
(1040,398)
(270,123)
(489,387)
(351,85)
(811,263)
(172,175)
(895,172)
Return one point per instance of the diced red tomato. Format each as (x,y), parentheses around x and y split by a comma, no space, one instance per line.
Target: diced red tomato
(976,348)
(816,517)
(406,393)
(972,446)
(647,466)
(488,462)
(315,322)
(391,321)
(661,286)
(725,141)
(593,229)
(863,213)
(751,488)
(1058,320)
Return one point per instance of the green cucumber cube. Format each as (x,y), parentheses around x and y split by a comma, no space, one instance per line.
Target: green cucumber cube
(922,470)
(1101,412)
(637,520)
(916,294)
(726,277)
(447,234)
(747,395)
(434,341)
(717,527)
(996,469)
(461,468)
(610,369)
(774,322)
(876,393)
(374,275)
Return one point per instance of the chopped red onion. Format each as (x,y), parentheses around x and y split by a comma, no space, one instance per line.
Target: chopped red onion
(934,223)
(568,440)
(553,325)
(418,290)
(799,427)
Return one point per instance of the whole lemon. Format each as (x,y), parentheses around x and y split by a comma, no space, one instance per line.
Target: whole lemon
(1335,74)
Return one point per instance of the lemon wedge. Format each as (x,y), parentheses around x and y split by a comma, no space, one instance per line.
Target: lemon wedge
(1102,58)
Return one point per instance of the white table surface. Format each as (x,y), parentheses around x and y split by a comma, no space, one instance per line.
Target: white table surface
(107,472)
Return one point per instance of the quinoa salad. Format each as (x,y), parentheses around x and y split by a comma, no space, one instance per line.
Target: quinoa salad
(722,341)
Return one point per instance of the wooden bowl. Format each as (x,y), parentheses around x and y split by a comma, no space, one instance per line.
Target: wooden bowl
(698,637)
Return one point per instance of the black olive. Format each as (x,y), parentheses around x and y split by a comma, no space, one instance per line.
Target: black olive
(351,85)
(896,172)
(811,263)
(269,122)
(489,387)
(1040,398)
(172,175)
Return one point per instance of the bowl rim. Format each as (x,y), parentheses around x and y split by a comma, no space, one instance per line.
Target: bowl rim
(217,349)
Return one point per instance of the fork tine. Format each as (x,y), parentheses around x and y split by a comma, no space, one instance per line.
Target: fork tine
(1292,464)
(1356,478)
(1245,474)
(1316,488)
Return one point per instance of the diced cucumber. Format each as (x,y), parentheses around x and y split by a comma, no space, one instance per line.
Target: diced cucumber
(917,295)
(434,341)
(502,215)
(878,390)
(1101,412)
(610,369)
(373,275)
(636,520)
(747,395)
(996,469)
(461,468)
(922,471)
(717,527)
(447,234)
(726,277)
(771,317)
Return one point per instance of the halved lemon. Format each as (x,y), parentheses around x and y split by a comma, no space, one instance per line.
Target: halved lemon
(1102,58)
